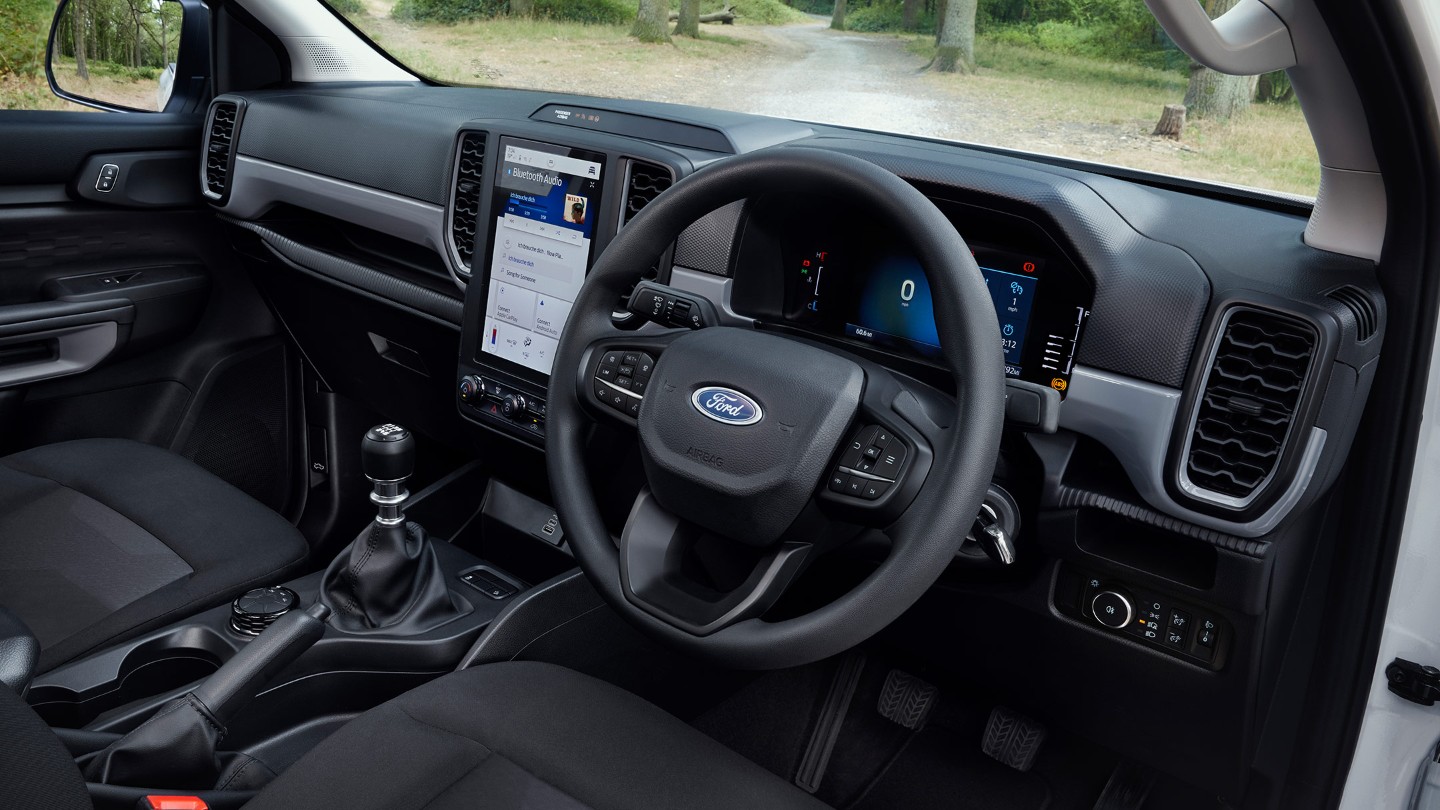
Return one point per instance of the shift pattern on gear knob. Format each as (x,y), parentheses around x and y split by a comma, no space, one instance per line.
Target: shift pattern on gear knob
(387,453)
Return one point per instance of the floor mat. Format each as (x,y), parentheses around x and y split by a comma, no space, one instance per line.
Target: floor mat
(878,764)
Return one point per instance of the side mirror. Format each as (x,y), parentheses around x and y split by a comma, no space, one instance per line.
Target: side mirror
(116,54)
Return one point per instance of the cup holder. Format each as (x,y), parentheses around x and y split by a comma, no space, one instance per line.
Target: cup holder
(151,667)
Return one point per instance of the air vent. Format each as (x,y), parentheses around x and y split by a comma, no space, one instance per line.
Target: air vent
(1249,403)
(465,216)
(220,148)
(1362,306)
(645,182)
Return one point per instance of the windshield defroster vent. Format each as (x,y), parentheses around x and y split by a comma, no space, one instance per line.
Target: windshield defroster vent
(465,215)
(1248,406)
(220,148)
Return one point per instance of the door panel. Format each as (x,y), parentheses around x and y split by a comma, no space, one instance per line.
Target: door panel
(124,312)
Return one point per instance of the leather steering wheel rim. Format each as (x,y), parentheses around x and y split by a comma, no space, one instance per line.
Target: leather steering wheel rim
(927,535)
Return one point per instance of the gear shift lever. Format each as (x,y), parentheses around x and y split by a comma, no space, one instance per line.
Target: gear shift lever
(388,578)
(387,455)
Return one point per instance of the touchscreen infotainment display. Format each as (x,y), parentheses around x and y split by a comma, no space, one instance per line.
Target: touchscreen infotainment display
(546,201)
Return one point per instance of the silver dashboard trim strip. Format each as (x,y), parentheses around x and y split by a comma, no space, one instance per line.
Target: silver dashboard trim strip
(1134,419)
(256,185)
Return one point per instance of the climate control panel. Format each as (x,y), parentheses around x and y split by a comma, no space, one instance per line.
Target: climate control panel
(501,403)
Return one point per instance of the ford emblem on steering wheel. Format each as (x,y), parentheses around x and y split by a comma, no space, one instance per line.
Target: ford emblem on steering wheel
(726,405)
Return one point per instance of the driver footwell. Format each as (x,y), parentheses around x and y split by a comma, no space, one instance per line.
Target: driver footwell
(931,758)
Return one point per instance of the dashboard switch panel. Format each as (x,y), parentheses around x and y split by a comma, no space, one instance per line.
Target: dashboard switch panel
(1180,629)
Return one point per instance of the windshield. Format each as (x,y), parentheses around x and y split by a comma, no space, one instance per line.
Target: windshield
(1096,80)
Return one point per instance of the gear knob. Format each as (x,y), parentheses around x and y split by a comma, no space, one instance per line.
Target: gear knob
(387,453)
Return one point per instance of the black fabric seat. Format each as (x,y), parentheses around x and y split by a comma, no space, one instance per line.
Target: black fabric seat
(101,539)
(514,736)
(524,736)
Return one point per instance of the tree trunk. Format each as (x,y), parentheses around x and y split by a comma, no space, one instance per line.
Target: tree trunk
(726,17)
(941,6)
(688,23)
(652,23)
(1172,122)
(956,50)
(77,21)
(837,20)
(1216,95)
(522,8)
(910,15)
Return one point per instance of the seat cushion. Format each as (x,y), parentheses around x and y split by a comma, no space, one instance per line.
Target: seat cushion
(101,539)
(524,735)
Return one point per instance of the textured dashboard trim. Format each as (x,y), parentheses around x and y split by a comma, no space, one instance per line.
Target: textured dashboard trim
(1068,497)
(708,244)
(1134,419)
(435,306)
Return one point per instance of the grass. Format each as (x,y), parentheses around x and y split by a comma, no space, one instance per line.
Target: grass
(1081,99)
(575,57)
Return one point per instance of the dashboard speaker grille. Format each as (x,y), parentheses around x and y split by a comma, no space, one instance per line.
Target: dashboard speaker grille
(1251,396)
(465,217)
(220,147)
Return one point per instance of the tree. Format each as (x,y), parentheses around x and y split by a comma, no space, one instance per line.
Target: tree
(910,15)
(837,19)
(78,22)
(1216,95)
(688,23)
(522,8)
(955,51)
(652,21)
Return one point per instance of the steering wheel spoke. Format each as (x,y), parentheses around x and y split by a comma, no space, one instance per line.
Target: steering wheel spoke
(694,580)
(616,372)
(886,456)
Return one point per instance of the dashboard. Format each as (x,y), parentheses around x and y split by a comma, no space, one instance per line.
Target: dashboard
(1186,373)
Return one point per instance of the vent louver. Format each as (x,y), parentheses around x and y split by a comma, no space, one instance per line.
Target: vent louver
(220,148)
(1362,306)
(465,217)
(1249,402)
(644,184)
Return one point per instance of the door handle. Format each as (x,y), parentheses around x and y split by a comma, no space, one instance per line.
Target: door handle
(68,337)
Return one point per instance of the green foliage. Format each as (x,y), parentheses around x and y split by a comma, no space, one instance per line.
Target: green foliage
(887,16)
(24,25)
(349,8)
(825,7)
(759,12)
(600,12)
(1120,30)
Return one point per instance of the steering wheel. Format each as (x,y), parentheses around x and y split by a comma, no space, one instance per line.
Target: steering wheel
(762,450)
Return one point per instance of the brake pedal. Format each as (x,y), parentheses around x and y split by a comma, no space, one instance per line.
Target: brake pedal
(1012,738)
(906,699)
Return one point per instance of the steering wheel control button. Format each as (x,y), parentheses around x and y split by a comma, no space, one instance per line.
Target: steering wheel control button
(611,359)
(839,482)
(855,450)
(1112,610)
(889,461)
(874,489)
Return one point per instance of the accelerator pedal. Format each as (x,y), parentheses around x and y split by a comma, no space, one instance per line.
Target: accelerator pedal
(906,699)
(1012,738)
